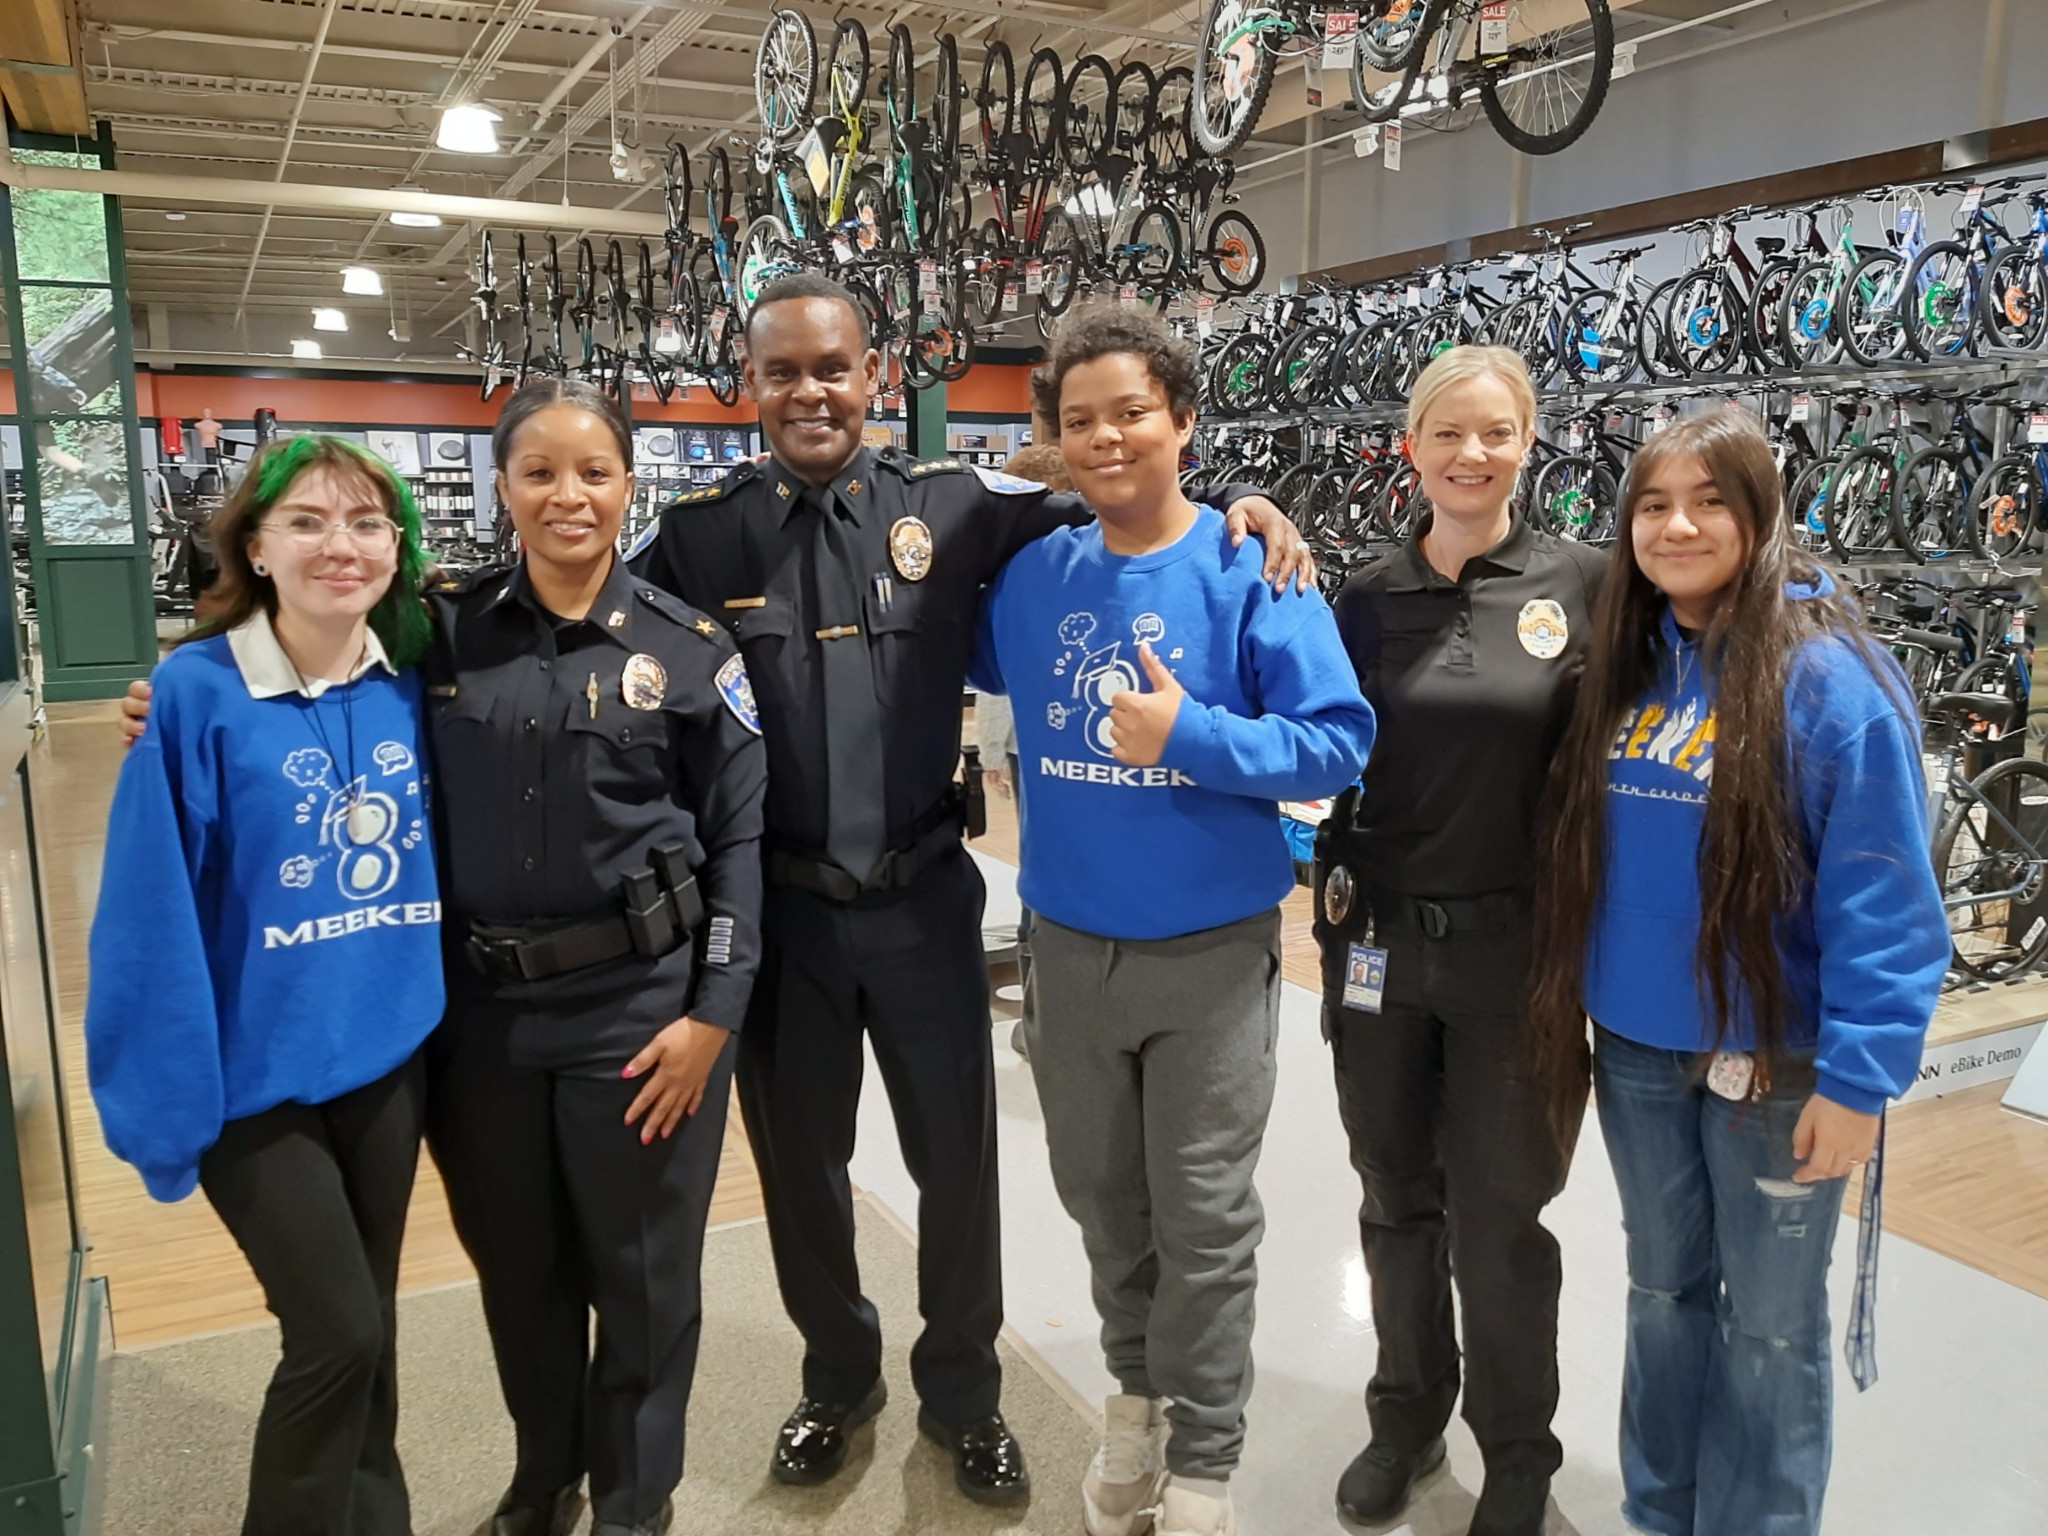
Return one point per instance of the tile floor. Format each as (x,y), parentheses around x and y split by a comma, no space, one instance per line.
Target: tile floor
(1954,1439)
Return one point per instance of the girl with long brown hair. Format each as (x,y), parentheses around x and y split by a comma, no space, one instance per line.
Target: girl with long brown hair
(1736,888)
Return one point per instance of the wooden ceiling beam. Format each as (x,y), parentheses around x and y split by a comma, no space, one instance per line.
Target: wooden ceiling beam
(40,81)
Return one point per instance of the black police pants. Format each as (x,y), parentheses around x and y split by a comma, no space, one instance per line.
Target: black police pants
(563,1209)
(906,970)
(1457,1159)
(316,1196)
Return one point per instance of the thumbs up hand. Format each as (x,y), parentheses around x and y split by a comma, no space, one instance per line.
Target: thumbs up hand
(1139,722)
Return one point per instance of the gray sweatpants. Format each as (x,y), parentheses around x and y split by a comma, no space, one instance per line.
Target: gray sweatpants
(1154,1063)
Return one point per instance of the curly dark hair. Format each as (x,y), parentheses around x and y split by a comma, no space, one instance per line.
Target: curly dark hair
(1088,334)
(812,285)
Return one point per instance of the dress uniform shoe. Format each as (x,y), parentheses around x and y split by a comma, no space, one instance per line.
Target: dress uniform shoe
(556,1516)
(658,1526)
(811,1446)
(1511,1504)
(1376,1486)
(988,1463)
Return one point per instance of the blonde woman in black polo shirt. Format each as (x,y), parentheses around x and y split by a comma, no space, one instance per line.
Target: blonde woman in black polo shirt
(1469,642)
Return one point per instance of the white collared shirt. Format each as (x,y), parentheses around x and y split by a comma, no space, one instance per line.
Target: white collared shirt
(267,672)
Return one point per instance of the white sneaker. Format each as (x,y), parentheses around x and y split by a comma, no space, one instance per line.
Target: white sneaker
(1121,1490)
(1196,1506)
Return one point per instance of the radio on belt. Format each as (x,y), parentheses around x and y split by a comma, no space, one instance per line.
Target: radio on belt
(649,919)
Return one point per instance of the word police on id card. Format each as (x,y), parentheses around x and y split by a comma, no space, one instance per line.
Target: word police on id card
(1365,978)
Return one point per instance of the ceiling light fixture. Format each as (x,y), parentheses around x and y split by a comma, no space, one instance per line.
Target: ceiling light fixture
(417,220)
(175,217)
(329,320)
(362,280)
(305,347)
(469,129)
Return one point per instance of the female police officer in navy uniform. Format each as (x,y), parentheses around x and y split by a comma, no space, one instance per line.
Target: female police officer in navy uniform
(601,828)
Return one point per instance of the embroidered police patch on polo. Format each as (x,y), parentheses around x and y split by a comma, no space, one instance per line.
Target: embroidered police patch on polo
(1011,485)
(737,689)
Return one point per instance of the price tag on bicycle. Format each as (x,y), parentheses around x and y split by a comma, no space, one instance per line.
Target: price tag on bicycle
(1391,135)
(1340,38)
(1127,294)
(1518,261)
(2037,427)
(1972,201)
(1553,264)
(1802,408)
(816,165)
(1575,437)
(718,319)
(1724,237)
(1205,313)
(1493,27)
(1414,298)
(1660,419)
(1034,276)
(928,278)
(842,248)
(1009,298)
(667,338)
(2016,628)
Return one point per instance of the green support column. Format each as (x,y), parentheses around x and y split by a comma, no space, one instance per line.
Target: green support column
(925,421)
(66,282)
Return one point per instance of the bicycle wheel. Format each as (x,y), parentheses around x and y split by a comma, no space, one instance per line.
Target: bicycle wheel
(1703,323)
(1857,519)
(899,85)
(1060,250)
(1928,507)
(1806,330)
(718,187)
(1653,338)
(1575,497)
(997,97)
(1166,145)
(1869,315)
(1235,251)
(675,188)
(946,96)
(786,75)
(1766,309)
(1136,89)
(1044,100)
(1940,304)
(766,253)
(1090,120)
(1994,870)
(1600,341)
(1392,33)
(1381,100)
(1807,503)
(1233,73)
(1547,92)
(1240,373)
(1301,369)
(990,267)
(847,65)
(2005,508)
(1152,255)
(2013,308)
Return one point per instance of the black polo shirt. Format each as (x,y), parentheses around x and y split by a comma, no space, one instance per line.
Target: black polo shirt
(1472,683)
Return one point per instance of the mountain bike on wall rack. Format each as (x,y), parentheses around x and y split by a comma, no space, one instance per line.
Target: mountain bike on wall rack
(1541,91)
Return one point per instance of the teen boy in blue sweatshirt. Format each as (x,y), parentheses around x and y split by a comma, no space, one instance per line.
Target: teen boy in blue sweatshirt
(266,957)
(1165,698)
(1738,892)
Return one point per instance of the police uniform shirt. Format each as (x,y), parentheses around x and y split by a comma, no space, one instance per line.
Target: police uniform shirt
(561,787)
(1472,682)
(930,535)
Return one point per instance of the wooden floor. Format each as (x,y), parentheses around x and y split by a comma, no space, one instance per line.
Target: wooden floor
(1965,1177)
(172,1270)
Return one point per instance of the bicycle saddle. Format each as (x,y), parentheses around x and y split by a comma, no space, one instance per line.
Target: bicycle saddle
(1770,245)
(830,131)
(1994,709)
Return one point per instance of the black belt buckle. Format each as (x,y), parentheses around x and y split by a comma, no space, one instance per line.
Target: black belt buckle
(1436,922)
(497,959)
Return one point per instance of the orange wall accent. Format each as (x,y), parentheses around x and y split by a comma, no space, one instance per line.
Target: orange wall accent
(1002,389)
(6,391)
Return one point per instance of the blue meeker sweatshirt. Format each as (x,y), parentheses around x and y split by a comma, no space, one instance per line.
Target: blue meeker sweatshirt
(1864,956)
(1272,712)
(251,948)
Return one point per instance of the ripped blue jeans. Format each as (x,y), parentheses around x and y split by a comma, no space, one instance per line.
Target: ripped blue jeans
(1726,1406)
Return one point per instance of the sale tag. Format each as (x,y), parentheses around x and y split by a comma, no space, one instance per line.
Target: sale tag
(1576,437)
(1414,300)
(2016,631)
(928,278)
(668,336)
(1205,313)
(1340,38)
(1972,201)
(1034,276)
(1128,294)
(2037,427)
(1661,420)
(1493,27)
(1724,237)
(1393,141)
(1312,73)
(1518,261)
(816,166)
(842,248)
(718,316)
(1802,407)
(1009,298)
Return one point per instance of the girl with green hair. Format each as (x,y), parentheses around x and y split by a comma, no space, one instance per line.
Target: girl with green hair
(266,956)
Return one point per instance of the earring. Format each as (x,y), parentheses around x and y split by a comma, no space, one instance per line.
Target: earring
(259,567)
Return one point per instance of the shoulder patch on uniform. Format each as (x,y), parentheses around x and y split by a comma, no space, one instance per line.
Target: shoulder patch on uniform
(917,469)
(737,689)
(466,582)
(1012,485)
(644,538)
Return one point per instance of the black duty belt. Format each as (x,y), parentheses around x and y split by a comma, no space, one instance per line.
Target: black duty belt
(895,872)
(659,909)
(1440,917)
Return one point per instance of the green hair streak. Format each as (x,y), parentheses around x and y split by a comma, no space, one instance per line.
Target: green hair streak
(400,617)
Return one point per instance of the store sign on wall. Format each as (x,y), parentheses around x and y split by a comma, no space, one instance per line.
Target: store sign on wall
(1959,1064)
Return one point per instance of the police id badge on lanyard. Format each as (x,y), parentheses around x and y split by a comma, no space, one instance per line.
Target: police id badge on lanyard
(1365,975)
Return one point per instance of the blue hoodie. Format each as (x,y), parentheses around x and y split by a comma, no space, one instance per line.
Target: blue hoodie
(1864,957)
(1271,712)
(254,945)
